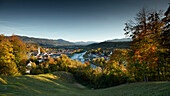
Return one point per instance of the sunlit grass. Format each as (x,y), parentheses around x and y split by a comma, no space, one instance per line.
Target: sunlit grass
(63,84)
(2,81)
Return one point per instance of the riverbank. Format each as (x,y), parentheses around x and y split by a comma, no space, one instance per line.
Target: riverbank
(80,57)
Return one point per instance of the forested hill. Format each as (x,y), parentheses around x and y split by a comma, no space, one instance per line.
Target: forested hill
(61,42)
(123,44)
(44,42)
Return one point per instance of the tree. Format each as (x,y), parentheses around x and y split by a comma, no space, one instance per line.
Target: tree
(7,64)
(42,50)
(144,54)
(19,51)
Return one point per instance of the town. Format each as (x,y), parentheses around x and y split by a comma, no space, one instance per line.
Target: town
(44,54)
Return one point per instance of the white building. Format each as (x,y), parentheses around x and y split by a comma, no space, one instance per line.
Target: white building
(38,51)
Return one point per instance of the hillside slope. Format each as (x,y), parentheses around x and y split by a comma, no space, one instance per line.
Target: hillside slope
(119,40)
(44,42)
(63,84)
(118,45)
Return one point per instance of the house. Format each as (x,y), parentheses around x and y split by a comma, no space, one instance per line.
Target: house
(28,68)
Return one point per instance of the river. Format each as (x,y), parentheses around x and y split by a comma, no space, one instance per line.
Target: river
(79,57)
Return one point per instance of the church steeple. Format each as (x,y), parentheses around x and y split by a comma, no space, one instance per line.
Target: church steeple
(38,51)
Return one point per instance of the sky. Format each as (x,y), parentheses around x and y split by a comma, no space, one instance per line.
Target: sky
(72,20)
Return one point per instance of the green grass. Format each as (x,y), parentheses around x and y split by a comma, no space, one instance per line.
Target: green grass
(63,84)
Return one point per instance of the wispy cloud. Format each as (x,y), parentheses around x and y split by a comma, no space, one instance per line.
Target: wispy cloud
(25,31)
(9,30)
(14,24)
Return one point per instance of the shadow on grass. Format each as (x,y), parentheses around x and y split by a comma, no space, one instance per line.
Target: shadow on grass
(56,84)
(32,85)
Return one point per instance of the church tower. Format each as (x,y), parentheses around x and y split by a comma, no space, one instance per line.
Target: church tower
(38,51)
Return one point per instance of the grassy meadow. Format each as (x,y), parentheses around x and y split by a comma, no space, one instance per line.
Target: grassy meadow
(64,84)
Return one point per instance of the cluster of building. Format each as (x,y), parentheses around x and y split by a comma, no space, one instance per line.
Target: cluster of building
(96,55)
(41,57)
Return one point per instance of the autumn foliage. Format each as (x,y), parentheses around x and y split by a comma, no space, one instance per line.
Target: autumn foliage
(145,60)
(12,55)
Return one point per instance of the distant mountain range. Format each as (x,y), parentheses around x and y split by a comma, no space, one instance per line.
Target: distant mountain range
(45,42)
(114,45)
(61,42)
(85,43)
(113,40)
(119,40)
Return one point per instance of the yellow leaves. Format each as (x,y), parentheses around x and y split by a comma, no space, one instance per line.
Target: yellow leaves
(153,48)
(139,56)
(7,64)
(99,49)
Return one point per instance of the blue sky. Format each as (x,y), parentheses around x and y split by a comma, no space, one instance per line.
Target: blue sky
(73,20)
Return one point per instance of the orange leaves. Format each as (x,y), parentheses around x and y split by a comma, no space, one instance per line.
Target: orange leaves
(51,61)
(150,44)
(137,52)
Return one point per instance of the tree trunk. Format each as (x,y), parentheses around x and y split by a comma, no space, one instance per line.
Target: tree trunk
(165,73)
(162,75)
(158,73)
